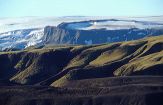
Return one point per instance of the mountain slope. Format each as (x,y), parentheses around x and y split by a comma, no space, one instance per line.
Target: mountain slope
(142,57)
(122,73)
(127,95)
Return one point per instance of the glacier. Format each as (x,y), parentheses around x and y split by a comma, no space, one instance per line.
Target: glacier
(23,32)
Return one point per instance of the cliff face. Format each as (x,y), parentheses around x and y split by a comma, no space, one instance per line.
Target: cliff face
(64,35)
(55,35)
(79,32)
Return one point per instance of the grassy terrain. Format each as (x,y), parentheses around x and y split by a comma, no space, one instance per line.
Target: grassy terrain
(125,73)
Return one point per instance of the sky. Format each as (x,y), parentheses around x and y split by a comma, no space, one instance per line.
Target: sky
(46,8)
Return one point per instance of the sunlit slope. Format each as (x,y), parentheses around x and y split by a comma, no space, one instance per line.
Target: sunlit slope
(57,64)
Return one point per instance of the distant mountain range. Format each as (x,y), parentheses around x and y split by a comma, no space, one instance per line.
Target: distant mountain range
(20,33)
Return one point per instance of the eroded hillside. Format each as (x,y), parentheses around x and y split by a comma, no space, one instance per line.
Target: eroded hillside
(142,57)
(116,74)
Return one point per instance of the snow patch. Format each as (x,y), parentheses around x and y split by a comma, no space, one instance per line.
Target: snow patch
(88,42)
(21,38)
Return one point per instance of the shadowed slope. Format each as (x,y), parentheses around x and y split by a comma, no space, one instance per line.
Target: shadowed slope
(58,64)
(126,73)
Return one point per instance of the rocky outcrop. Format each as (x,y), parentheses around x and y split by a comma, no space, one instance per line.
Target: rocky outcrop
(64,35)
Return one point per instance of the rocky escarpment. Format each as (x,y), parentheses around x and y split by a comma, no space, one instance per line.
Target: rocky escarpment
(79,31)
(65,34)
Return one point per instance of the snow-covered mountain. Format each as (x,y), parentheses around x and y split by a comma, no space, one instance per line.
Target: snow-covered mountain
(23,32)
(20,33)
(114,24)
(20,39)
